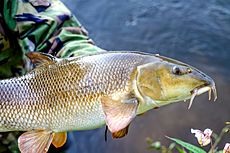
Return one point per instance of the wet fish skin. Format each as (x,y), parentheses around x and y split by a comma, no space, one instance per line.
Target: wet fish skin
(64,95)
(87,92)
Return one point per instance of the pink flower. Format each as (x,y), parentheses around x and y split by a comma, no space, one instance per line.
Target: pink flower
(226,148)
(203,138)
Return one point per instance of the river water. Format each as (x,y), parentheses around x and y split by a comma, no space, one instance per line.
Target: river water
(193,31)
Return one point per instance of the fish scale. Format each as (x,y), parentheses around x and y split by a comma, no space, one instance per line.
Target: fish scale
(65,95)
(84,93)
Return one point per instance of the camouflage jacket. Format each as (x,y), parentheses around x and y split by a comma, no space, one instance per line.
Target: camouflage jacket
(38,25)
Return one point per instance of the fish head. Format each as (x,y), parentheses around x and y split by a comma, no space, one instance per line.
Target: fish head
(166,81)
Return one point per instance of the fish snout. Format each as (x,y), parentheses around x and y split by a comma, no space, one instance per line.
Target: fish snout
(208,85)
(211,87)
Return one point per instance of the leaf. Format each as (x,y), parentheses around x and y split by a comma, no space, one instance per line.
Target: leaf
(180,150)
(188,146)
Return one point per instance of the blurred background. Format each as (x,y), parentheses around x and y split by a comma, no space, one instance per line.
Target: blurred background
(193,31)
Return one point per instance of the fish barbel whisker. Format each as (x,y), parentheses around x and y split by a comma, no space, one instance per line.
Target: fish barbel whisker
(194,93)
(198,91)
(210,94)
(213,88)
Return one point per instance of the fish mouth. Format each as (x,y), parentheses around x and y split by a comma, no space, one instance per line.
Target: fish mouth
(210,88)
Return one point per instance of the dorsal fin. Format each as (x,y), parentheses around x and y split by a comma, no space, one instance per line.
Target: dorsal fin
(38,58)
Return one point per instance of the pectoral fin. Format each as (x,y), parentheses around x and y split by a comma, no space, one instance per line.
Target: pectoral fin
(118,113)
(59,139)
(121,133)
(35,141)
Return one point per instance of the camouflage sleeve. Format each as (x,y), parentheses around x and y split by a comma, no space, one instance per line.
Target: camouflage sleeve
(36,25)
(41,25)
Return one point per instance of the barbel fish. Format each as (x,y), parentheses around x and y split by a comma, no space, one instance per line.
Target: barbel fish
(87,92)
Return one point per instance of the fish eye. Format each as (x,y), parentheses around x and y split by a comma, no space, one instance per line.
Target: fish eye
(176,70)
(189,70)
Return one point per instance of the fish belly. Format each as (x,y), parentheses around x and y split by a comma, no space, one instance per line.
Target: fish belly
(82,117)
